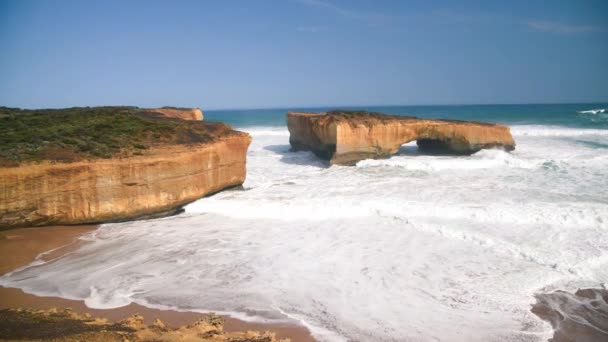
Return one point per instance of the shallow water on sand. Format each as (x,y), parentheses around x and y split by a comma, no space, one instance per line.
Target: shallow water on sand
(412,247)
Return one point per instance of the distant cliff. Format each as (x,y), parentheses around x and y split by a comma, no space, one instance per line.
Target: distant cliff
(345,137)
(110,165)
(176,113)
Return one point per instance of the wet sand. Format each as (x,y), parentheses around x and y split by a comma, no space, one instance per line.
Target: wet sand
(19,247)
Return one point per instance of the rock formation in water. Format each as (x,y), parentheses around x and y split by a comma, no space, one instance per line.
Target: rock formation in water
(176,113)
(141,167)
(581,316)
(345,137)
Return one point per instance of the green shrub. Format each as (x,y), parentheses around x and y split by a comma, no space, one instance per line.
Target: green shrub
(92,132)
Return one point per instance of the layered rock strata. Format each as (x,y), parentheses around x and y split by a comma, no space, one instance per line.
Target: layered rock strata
(175,113)
(345,137)
(159,181)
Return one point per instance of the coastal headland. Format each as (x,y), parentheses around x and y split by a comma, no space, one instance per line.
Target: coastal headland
(107,164)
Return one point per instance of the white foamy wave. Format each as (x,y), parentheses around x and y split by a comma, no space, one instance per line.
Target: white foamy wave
(110,300)
(286,210)
(261,317)
(266,131)
(483,159)
(554,131)
(592,111)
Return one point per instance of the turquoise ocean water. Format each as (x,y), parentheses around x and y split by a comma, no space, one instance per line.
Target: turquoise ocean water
(568,115)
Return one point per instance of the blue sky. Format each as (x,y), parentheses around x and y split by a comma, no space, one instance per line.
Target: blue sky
(261,54)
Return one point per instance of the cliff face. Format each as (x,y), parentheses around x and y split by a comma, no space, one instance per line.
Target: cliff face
(160,180)
(347,137)
(176,113)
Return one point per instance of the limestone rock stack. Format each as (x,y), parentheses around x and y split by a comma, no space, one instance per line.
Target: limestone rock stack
(344,137)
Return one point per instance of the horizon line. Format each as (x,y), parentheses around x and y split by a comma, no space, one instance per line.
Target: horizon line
(404,105)
(327,106)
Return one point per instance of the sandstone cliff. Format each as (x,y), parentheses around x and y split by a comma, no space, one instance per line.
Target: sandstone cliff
(176,113)
(159,181)
(345,137)
(102,164)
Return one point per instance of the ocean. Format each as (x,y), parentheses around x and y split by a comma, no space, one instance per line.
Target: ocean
(410,248)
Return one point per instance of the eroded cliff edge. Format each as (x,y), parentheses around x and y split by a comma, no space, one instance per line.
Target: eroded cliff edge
(122,166)
(175,113)
(345,137)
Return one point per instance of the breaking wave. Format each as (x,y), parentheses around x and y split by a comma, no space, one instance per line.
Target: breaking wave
(592,111)
(554,131)
(483,159)
(267,131)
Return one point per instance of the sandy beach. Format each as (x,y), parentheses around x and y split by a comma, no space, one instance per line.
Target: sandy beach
(19,247)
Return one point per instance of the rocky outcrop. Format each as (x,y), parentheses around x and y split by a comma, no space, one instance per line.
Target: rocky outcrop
(175,113)
(69,326)
(578,316)
(159,181)
(345,137)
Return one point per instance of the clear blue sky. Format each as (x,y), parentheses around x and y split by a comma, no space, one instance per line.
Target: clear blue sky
(259,54)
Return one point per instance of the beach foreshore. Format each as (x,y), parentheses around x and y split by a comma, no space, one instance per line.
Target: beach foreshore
(19,247)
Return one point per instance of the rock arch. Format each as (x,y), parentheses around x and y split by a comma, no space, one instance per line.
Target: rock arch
(345,137)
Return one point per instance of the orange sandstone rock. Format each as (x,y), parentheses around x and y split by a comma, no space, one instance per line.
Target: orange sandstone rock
(175,113)
(159,181)
(345,137)
(67,326)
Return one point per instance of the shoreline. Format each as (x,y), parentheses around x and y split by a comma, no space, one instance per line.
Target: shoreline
(19,247)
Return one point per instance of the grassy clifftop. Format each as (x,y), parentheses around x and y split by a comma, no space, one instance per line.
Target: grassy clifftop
(78,133)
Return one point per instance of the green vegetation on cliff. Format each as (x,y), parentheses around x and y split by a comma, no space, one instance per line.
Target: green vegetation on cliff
(92,132)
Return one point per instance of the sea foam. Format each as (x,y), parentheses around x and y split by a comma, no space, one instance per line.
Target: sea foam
(593,111)
(554,131)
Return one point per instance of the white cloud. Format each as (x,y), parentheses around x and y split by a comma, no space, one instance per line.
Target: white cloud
(556,27)
(395,20)
(328,6)
(367,18)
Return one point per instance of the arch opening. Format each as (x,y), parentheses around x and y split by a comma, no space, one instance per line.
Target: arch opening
(433,147)
(441,147)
